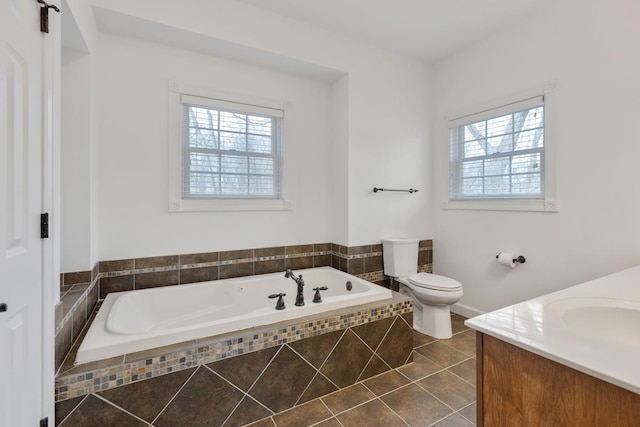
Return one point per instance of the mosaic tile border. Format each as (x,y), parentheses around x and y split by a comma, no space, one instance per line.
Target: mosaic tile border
(211,264)
(224,346)
(356,260)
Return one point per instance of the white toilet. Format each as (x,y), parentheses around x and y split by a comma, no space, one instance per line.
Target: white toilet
(432,294)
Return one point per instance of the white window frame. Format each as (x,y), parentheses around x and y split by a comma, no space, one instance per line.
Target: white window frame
(180,94)
(549,201)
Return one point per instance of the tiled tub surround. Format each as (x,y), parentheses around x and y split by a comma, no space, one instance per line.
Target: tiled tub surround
(78,298)
(111,276)
(353,343)
(140,273)
(436,389)
(134,321)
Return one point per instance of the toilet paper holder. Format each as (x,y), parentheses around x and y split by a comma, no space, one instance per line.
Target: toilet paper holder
(519,260)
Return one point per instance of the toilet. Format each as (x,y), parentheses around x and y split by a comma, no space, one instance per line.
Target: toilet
(432,294)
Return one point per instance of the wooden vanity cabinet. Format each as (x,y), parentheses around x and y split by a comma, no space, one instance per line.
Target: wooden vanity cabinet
(518,388)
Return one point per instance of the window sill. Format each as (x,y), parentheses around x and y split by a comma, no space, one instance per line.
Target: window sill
(518,205)
(229,205)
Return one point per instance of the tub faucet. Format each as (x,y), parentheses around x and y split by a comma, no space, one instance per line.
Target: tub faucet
(300,283)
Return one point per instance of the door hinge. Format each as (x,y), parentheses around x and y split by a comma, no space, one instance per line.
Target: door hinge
(44,422)
(44,15)
(44,226)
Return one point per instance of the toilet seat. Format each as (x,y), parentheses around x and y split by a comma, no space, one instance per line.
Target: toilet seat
(434,282)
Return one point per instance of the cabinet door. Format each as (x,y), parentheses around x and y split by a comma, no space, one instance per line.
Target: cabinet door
(519,388)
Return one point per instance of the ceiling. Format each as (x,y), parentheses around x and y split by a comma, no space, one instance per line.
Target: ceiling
(425,29)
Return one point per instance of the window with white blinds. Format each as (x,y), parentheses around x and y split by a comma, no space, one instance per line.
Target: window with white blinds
(230,150)
(499,153)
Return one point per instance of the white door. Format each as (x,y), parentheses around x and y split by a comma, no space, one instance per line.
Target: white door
(21,200)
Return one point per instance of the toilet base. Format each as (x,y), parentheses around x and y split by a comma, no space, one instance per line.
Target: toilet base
(434,321)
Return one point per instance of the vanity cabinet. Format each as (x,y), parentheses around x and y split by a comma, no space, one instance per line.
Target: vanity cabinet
(518,388)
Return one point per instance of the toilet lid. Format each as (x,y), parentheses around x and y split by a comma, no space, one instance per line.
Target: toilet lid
(433,281)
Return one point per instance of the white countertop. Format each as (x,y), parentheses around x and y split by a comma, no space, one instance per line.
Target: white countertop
(586,340)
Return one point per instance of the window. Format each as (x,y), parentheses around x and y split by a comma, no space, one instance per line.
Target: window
(498,158)
(226,154)
(230,150)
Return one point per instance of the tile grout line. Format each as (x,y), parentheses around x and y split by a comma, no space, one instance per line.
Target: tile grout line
(164,408)
(262,373)
(317,370)
(316,423)
(460,363)
(327,406)
(466,356)
(344,331)
(386,334)
(359,404)
(375,396)
(122,409)
(442,419)
(426,376)
(459,412)
(378,397)
(436,397)
(244,394)
(297,403)
(374,354)
(74,409)
(391,409)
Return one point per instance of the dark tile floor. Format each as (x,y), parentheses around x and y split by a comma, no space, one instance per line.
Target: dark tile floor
(437,389)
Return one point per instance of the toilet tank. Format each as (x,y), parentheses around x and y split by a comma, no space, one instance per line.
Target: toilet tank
(400,256)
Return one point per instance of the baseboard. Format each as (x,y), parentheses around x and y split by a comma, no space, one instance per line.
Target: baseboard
(465,311)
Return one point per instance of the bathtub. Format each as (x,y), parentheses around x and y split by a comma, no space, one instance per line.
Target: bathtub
(144,319)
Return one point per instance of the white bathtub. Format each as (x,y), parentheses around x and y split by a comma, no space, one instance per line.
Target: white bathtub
(140,320)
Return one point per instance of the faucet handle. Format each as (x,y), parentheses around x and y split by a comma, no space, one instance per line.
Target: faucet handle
(280,302)
(317,297)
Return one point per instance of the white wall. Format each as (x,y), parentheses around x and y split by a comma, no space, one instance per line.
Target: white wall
(133,122)
(376,130)
(340,161)
(390,147)
(377,115)
(78,174)
(589,48)
(75,215)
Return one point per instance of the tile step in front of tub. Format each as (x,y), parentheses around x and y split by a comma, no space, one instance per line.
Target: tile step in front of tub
(379,330)
(438,387)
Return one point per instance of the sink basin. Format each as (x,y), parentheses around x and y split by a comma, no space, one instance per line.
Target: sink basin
(603,319)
